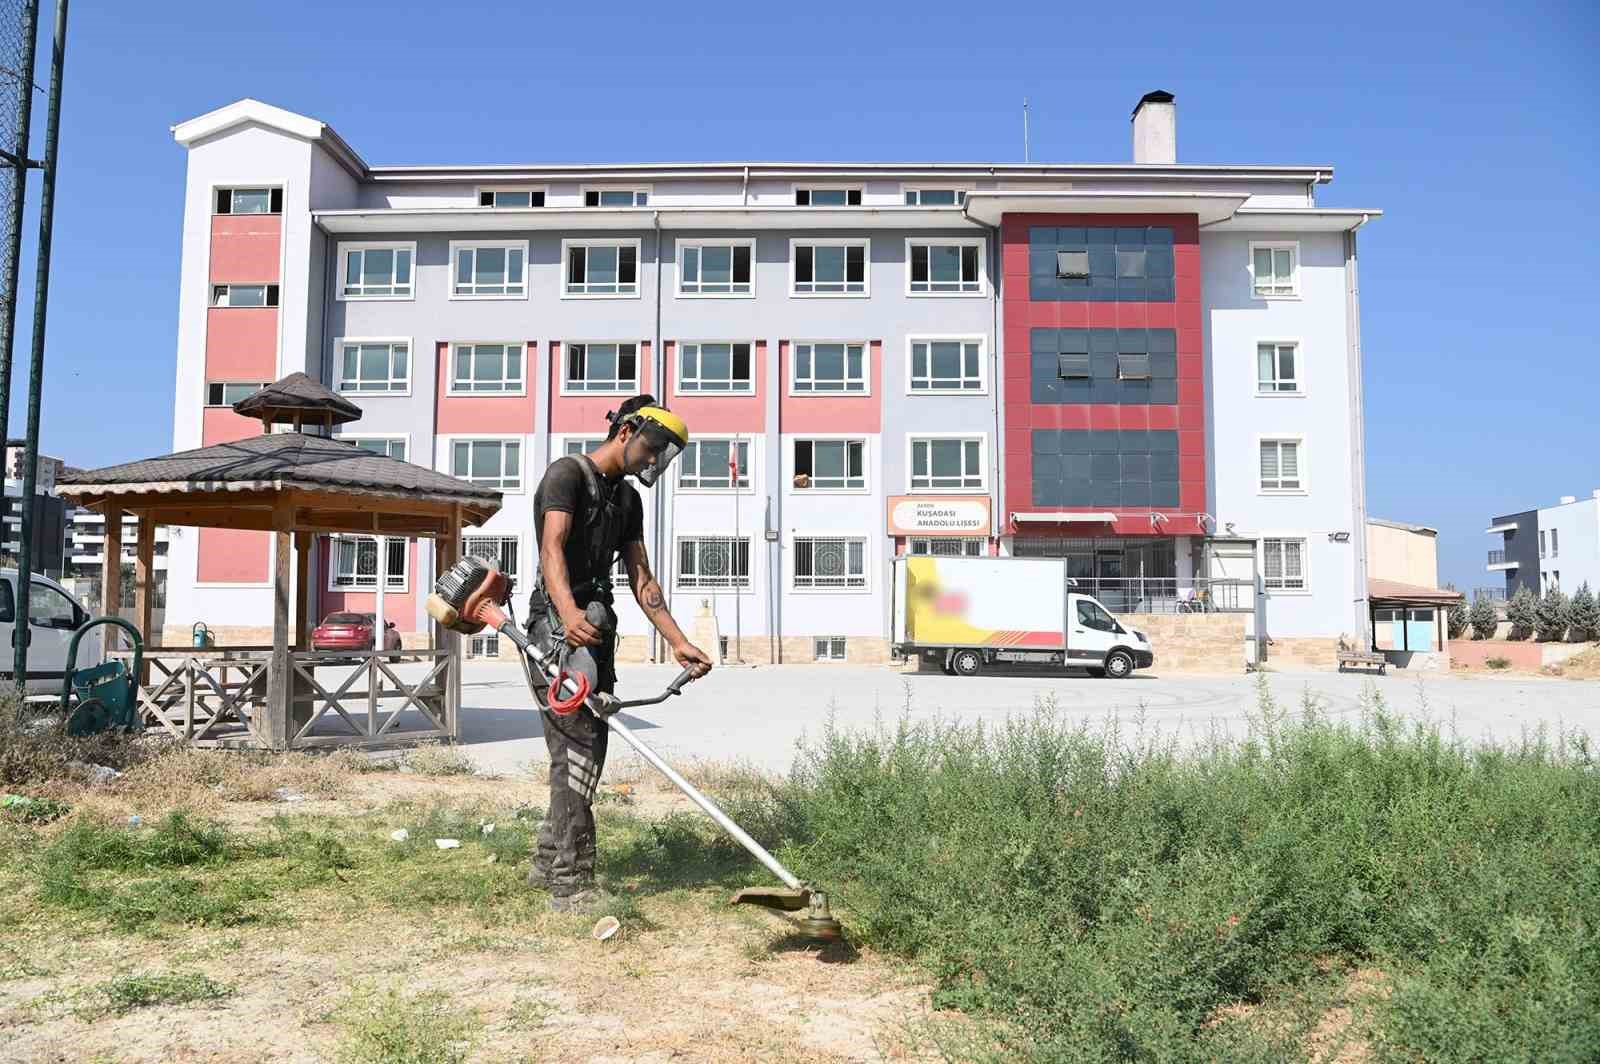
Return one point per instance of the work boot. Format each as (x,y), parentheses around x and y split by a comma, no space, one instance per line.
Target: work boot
(588,901)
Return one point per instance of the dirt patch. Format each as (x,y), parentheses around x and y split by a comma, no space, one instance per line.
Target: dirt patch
(1584,666)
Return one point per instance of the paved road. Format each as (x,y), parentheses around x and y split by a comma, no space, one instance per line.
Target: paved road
(756,715)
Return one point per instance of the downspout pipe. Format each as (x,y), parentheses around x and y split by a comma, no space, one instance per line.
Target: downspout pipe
(1360,606)
(658,378)
(997,382)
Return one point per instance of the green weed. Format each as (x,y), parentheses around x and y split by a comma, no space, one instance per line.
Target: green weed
(1497,663)
(390,1027)
(126,993)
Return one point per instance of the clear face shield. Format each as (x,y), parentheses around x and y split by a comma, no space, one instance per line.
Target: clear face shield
(650,451)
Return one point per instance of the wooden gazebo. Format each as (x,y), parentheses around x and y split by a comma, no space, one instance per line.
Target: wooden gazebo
(295,486)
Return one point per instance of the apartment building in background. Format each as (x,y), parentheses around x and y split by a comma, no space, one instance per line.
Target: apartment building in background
(1551,546)
(1152,369)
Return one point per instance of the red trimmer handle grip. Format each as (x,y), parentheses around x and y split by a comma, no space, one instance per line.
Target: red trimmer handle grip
(566,707)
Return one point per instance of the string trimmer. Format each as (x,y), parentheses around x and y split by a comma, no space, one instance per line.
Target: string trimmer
(470,597)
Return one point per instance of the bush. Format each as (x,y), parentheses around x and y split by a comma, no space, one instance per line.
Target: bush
(1483,617)
(1092,896)
(1523,613)
(1498,663)
(1457,618)
(1584,615)
(34,748)
(1551,617)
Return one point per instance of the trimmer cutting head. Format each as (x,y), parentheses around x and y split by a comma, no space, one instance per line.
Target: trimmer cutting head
(818,923)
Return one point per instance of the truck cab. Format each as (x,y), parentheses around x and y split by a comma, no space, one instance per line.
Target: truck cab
(1101,643)
(53,615)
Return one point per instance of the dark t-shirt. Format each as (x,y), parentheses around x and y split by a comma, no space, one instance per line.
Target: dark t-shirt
(563,488)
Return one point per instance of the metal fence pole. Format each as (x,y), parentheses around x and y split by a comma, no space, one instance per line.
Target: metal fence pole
(41,298)
(16,73)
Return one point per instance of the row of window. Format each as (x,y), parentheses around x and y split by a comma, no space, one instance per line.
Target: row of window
(594,268)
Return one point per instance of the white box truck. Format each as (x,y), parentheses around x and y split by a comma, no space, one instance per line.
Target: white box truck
(969,613)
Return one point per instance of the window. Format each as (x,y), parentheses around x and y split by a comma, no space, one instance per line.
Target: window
(355,564)
(716,269)
(489,271)
(1101,263)
(376,271)
(827,197)
(1072,266)
(602,368)
(705,464)
(500,551)
(375,367)
(1555,544)
(580,445)
(833,268)
(491,368)
(249,201)
(1274,270)
(821,369)
(1280,466)
(1541,543)
(947,464)
(1284,564)
(712,562)
(946,366)
(935,197)
(714,368)
(1133,366)
(390,446)
(609,268)
(1073,365)
(1092,615)
(948,547)
(226,393)
(488,463)
(49,608)
(828,648)
(511,197)
(244,295)
(952,267)
(830,465)
(1276,369)
(830,563)
(616,197)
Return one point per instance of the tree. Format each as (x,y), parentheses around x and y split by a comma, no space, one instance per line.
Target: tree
(1523,613)
(1456,618)
(1584,615)
(1483,617)
(1552,616)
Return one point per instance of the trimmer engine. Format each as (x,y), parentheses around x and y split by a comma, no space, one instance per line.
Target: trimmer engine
(467,597)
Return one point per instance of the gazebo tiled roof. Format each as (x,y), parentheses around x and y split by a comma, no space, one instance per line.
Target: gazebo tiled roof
(295,399)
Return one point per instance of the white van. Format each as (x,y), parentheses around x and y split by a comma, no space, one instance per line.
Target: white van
(53,615)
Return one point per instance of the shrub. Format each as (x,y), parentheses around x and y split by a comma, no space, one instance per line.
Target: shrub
(1523,613)
(1584,615)
(1551,617)
(1498,663)
(34,748)
(127,993)
(1483,617)
(1457,618)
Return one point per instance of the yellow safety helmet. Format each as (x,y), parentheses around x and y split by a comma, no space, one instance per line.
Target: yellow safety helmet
(663,434)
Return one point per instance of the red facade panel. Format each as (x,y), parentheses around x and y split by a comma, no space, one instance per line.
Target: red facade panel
(246,248)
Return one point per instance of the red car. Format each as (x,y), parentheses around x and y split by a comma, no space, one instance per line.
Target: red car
(351,631)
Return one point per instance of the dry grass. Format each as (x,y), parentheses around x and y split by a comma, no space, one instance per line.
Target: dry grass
(1584,666)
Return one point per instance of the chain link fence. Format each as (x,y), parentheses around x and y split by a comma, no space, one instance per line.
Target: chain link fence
(18,20)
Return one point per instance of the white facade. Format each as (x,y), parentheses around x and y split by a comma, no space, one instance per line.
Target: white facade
(1569,535)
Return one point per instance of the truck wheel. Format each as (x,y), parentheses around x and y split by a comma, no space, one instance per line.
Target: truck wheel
(966,663)
(1119,665)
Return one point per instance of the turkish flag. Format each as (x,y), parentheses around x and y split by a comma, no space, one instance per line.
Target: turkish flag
(733,463)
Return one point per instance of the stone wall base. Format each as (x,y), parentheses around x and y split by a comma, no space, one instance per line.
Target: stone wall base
(1193,642)
(1309,653)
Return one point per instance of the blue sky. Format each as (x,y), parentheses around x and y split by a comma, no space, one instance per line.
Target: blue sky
(1472,128)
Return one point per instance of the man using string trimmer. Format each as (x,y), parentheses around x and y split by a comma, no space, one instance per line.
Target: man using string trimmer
(585,514)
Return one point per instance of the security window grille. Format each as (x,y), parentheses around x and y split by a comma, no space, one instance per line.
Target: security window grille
(827,197)
(948,547)
(500,551)
(1284,565)
(581,445)
(355,564)
(715,269)
(489,463)
(511,197)
(829,648)
(1276,369)
(1072,265)
(1280,465)
(375,368)
(823,465)
(389,446)
(714,368)
(830,269)
(244,295)
(377,273)
(1072,365)
(945,269)
(226,393)
(825,368)
(487,368)
(935,197)
(602,269)
(830,563)
(249,201)
(602,368)
(1133,367)
(491,270)
(947,464)
(705,464)
(712,562)
(1275,269)
(946,366)
(616,197)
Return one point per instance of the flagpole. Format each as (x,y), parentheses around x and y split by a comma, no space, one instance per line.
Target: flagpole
(738,632)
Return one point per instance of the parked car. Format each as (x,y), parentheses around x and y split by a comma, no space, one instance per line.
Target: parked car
(53,615)
(351,632)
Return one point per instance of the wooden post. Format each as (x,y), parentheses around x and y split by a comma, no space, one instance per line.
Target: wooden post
(449,552)
(302,591)
(144,587)
(111,578)
(280,682)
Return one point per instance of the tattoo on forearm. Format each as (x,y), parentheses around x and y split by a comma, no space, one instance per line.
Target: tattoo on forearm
(652,597)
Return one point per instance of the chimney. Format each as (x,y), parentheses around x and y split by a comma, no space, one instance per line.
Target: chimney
(1565,499)
(1155,128)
